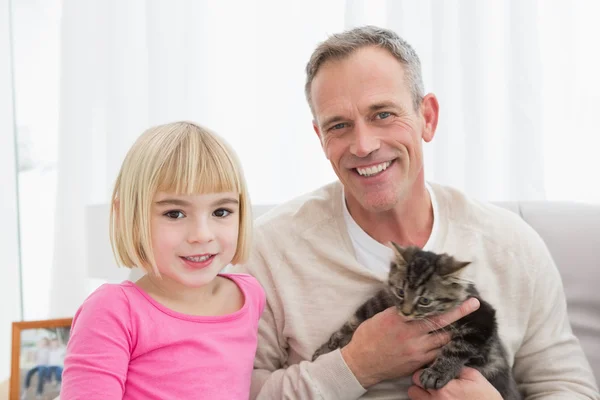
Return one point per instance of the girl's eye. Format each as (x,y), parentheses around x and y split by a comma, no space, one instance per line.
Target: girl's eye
(424,301)
(400,292)
(383,115)
(175,214)
(221,212)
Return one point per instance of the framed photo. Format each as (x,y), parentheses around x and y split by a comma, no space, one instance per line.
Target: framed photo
(38,353)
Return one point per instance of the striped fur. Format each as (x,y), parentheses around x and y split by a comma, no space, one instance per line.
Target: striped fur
(422,284)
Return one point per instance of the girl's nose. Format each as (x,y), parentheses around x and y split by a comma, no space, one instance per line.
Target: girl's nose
(201,232)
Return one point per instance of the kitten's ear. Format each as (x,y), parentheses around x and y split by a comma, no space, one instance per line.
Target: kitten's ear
(404,255)
(398,251)
(449,265)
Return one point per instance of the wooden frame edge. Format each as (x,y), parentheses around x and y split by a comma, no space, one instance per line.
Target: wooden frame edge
(17,327)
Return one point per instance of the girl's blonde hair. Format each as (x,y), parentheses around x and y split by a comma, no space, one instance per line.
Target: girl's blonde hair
(180,157)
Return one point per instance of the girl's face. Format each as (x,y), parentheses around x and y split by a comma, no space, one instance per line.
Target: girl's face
(194,236)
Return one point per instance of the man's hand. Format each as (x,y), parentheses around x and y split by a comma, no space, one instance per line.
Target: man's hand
(470,385)
(388,346)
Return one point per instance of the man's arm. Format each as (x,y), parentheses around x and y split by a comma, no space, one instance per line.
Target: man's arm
(326,378)
(550,363)
(383,347)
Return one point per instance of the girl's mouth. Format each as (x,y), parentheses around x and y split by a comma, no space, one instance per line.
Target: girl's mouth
(198,262)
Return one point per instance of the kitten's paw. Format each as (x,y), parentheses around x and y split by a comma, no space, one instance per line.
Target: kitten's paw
(432,379)
(331,345)
(320,351)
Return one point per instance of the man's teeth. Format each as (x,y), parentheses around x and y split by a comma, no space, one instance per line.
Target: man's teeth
(375,169)
(198,259)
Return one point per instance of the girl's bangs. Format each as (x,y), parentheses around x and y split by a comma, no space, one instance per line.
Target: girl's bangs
(198,165)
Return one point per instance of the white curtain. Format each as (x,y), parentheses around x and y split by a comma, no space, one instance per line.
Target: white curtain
(10,294)
(238,68)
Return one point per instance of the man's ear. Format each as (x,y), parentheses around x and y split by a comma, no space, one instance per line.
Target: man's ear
(430,110)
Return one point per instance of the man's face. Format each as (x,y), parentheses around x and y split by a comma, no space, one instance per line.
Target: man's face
(369,130)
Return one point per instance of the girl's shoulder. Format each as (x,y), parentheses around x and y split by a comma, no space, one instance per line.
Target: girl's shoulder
(244,280)
(111,295)
(107,291)
(109,307)
(250,287)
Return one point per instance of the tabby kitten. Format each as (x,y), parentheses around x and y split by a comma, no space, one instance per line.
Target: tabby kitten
(422,284)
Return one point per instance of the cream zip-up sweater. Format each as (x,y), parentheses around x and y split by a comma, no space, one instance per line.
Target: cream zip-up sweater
(305,261)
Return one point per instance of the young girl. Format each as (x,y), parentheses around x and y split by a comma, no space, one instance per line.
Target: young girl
(180,210)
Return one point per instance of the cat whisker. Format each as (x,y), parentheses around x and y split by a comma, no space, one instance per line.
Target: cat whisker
(433,326)
(438,327)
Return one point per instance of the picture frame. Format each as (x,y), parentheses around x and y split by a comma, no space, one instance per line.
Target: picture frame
(38,349)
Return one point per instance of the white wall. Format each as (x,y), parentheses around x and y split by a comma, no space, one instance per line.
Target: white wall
(9,242)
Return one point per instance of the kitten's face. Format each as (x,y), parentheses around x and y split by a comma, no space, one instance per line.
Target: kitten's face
(424,284)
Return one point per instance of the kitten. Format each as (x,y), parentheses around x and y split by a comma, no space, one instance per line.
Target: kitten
(422,284)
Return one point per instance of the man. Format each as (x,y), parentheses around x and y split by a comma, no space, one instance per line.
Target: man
(319,257)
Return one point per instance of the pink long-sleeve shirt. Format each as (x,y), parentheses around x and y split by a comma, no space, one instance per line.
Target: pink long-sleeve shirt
(125,345)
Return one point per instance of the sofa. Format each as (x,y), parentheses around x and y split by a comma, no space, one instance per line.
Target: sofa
(572,233)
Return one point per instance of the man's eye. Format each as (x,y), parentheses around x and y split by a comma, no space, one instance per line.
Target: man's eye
(175,214)
(221,212)
(336,127)
(383,115)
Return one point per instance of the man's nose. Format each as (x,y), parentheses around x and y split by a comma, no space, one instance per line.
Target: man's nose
(364,141)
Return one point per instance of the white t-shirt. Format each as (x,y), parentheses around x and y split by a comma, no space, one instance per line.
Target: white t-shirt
(372,254)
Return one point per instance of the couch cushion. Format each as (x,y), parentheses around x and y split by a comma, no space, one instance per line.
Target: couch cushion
(572,233)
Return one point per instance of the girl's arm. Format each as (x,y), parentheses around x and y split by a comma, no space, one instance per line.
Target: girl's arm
(99,348)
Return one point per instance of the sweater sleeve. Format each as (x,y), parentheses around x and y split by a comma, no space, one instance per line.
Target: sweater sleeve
(99,349)
(550,363)
(327,378)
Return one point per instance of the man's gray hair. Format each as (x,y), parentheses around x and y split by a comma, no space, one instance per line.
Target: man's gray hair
(342,45)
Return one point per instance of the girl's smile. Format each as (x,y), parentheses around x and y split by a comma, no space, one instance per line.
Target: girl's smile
(198,261)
